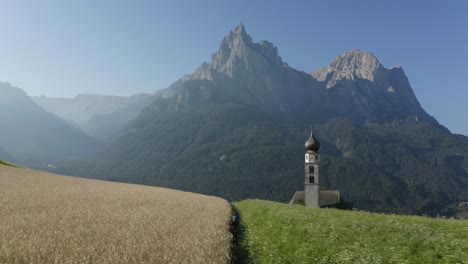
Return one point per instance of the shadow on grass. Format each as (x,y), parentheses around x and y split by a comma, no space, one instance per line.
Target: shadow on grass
(240,251)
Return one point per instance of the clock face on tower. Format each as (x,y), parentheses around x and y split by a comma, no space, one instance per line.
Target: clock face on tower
(309,158)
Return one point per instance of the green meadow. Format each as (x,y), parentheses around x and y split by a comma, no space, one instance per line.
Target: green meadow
(272,232)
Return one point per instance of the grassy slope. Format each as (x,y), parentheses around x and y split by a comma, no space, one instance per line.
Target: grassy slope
(48,218)
(278,233)
(6,163)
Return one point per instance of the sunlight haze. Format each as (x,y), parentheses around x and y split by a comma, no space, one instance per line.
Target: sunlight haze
(65,48)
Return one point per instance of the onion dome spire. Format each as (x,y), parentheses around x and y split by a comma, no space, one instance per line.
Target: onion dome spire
(312,144)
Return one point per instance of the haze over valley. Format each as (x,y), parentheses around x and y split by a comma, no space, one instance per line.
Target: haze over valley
(175,132)
(99,116)
(237,125)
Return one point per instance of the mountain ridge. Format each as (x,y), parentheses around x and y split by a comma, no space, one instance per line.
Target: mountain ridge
(33,137)
(99,116)
(236,128)
(241,71)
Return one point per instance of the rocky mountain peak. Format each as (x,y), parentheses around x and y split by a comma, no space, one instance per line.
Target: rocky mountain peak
(362,64)
(363,84)
(240,30)
(351,65)
(238,53)
(236,38)
(355,84)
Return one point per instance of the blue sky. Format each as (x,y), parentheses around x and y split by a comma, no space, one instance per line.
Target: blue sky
(62,48)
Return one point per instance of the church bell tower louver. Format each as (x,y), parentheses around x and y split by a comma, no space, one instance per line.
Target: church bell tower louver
(312,172)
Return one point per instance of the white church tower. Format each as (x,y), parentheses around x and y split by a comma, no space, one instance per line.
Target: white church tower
(312,172)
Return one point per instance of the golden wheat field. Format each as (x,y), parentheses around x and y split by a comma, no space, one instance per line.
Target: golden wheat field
(48,218)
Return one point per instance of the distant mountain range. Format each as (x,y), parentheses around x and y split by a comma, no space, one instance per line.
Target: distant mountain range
(29,135)
(236,128)
(99,116)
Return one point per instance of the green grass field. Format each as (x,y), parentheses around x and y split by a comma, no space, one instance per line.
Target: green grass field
(6,163)
(278,233)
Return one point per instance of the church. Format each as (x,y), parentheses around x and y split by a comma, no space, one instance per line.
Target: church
(312,196)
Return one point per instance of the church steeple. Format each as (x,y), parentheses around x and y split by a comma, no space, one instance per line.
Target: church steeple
(312,172)
(312,144)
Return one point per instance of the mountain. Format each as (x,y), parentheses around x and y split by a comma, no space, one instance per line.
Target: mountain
(361,88)
(34,137)
(100,116)
(236,128)
(248,73)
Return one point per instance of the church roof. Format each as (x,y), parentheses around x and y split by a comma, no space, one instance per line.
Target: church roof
(312,144)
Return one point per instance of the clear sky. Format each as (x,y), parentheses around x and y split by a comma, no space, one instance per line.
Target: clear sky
(62,48)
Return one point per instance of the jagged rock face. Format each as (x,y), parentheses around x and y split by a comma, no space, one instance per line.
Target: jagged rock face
(400,85)
(250,106)
(352,65)
(360,87)
(355,84)
(253,67)
(238,54)
(248,72)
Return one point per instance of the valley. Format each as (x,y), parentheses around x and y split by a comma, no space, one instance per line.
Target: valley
(233,132)
(99,116)
(235,128)
(382,149)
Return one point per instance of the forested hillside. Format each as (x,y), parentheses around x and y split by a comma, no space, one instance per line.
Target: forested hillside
(237,125)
